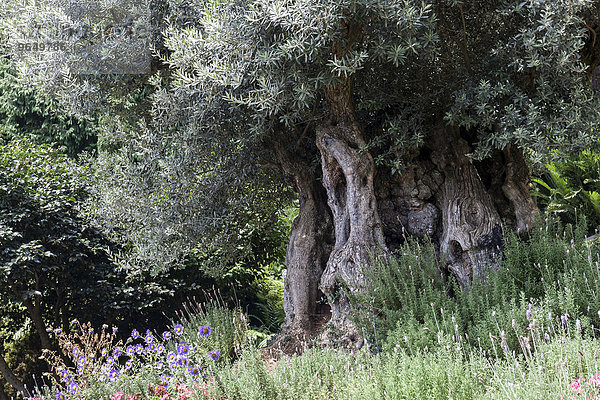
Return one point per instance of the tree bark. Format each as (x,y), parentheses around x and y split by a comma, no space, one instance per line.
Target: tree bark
(471,237)
(10,377)
(307,253)
(35,313)
(516,190)
(310,241)
(348,178)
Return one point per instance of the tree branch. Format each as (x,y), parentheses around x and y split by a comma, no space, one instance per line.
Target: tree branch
(9,376)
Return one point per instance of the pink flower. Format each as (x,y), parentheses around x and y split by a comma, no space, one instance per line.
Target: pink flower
(595,379)
(118,396)
(576,385)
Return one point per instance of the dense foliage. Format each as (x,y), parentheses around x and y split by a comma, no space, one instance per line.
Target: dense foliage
(247,78)
(553,272)
(26,113)
(571,188)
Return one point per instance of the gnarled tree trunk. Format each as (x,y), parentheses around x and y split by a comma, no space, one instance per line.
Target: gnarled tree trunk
(471,236)
(348,177)
(308,249)
(309,246)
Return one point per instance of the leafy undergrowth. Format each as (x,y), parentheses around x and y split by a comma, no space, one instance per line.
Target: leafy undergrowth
(531,332)
(555,361)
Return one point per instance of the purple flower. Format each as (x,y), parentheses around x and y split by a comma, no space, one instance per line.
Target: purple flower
(167,335)
(139,349)
(214,354)
(81,360)
(74,388)
(60,396)
(195,370)
(183,348)
(151,347)
(182,362)
(75,351)
(160,348)
(113,374)
(159,365)
(128,364)
(130,350)
(117,352)
(178,329)
(149,339)
(135,334)
(205,331)
(171,356)
(65,375)
(165,379)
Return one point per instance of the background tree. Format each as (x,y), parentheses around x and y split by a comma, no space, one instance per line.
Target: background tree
(387,118)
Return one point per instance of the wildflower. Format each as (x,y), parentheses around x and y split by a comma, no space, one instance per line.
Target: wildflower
(117,352)
(205,331)
(182,362)
(171,356)
(135,334)
(130,350)
(118,396)
(113,374)
(595,380)
(195,370)
(128,364)
(60,396)
(75,351)
(160,348)
(576,385)
(214,354)
(149,339)
(139,349)
(165,379)
(74,388)
(64,374)
(183,348)
(151,347)
(91,331)
(159,365)
(178,329)
(167,335)
(81,360)
(110,360)
(103,352)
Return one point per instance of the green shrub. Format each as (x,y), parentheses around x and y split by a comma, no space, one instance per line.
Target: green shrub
(571,188)
(553,271)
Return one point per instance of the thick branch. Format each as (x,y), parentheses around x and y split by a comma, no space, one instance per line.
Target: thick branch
(10,377)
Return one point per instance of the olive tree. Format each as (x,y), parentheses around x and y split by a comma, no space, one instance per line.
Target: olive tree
(387,118)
